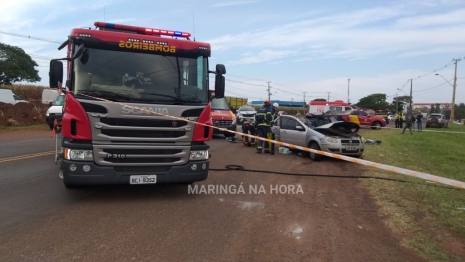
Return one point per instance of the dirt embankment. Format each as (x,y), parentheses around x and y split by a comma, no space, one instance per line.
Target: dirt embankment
(22,114)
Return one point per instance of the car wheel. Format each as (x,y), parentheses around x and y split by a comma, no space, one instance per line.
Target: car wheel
(315,156)
(376,125)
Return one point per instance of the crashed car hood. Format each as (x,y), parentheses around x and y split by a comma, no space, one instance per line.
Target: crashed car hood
(341,128)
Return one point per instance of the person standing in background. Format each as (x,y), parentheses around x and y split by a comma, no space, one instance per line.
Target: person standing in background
(419,122)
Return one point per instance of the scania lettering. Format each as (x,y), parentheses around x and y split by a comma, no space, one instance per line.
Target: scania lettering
(144,110)
(128,93)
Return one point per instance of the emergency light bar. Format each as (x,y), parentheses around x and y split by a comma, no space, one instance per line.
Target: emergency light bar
(142,30)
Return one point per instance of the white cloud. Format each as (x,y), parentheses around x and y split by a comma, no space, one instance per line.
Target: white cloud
(357,34)
(260,57)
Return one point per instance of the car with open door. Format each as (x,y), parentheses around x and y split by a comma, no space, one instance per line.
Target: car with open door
(322,133)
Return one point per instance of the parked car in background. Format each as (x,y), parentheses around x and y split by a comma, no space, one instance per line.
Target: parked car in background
(55,111)
(437,120)
(392,117)
(7,96)
(245,113)
(363,118)
(49,95)
(319,132)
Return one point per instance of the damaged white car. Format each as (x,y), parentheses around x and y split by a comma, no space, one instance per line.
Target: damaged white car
(322,133)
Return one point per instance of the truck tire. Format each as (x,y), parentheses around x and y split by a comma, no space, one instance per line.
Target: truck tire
(314,156)
(376,125)
(70,186)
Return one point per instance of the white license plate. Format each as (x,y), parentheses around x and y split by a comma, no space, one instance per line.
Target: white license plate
(143,179)
(351,148)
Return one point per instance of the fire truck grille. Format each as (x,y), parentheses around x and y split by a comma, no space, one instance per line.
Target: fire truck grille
(137,155)
(167,160)
(222,123)
(143,133)
(142,122)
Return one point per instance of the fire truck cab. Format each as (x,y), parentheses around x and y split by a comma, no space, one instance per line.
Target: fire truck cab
(137,108)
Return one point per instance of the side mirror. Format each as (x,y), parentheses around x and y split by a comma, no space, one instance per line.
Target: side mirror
(300,128)
(55,73)
(219,86)
(220,69)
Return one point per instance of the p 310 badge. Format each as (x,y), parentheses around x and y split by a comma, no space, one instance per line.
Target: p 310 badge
(116,156)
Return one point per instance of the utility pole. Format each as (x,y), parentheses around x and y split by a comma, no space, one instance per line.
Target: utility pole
(348,92)
(269,92)
(304,98)
(410,106)
(328,96)
(452,109)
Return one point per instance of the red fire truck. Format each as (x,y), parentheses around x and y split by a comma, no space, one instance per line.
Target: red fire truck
(123,83)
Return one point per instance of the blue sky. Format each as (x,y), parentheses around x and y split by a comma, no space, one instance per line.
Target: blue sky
(299,46)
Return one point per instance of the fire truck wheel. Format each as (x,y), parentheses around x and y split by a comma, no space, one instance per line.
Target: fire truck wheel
(70,186)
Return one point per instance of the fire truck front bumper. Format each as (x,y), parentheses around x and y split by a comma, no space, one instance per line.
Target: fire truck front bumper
(88,173)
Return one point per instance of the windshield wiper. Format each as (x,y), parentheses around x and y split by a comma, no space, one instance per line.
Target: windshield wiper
(105,95)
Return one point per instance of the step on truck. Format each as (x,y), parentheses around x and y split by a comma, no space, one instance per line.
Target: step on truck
(124,86)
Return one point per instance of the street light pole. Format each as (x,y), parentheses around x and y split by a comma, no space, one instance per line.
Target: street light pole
(452,108)
(410,107)
(348,92)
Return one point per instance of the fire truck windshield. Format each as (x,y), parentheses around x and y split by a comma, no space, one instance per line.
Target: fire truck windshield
(150,78)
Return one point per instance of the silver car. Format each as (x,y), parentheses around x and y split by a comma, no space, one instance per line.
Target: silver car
(325,134)
(245,113)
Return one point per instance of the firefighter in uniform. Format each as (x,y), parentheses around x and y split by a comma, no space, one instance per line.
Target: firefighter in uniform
(263,121)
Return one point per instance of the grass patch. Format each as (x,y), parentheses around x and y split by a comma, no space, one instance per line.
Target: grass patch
(429,249)
(31,127)
(420,210)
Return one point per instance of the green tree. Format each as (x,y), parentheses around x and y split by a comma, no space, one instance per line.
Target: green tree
(374,101)
(402,100)
(432,109)
(16,66)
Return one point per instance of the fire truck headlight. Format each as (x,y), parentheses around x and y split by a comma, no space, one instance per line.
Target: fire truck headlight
(79,155)
(199,155)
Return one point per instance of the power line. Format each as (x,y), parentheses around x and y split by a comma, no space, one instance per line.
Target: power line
(31,37)
(254,79)
(245,83)
(431,87)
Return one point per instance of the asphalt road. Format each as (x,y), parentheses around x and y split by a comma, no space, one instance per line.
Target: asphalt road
(323,219)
